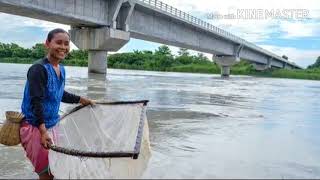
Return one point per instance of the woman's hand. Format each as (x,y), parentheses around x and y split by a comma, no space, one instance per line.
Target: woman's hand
(85,101)
(45,138)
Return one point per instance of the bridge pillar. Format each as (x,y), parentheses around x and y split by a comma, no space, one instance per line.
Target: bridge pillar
(225,71)
(98,41)
(97,61)
(225,62)
(284,65)
(269,62)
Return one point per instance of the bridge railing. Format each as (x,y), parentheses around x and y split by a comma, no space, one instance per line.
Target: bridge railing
(196,21)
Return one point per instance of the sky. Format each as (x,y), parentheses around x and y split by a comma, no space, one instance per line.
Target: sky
(296,36)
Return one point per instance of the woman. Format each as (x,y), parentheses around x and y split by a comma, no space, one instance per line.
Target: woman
(44,90)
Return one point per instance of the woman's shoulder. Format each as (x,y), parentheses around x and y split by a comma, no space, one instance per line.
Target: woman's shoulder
(37,67)
(42,62)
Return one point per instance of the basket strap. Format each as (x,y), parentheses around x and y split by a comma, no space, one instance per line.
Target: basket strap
(13,122)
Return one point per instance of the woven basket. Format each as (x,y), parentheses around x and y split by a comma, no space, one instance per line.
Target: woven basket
(10,131)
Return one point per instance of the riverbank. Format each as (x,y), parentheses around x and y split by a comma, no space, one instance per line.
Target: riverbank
(242,68)
(161,59)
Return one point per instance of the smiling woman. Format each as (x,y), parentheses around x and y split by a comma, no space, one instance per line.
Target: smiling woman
(44,90)
(58,44)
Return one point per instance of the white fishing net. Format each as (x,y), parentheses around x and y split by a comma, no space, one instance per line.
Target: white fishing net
(102,128)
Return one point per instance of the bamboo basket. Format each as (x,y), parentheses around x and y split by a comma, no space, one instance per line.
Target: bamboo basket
(10,130)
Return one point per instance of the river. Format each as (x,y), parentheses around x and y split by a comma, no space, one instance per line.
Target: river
(201,126)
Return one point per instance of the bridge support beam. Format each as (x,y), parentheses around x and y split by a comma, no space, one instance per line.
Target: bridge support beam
(284,65)
(225,71)
(98,41)
(97,61)
(269,62)
(225,62)
(260,67)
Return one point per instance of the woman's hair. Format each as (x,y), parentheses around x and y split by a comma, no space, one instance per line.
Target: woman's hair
(55,31)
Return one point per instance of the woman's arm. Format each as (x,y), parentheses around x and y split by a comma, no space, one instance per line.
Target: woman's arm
(72,99)
(37,78)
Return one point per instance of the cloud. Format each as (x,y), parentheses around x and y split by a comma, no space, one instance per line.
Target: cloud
(14,22)
(293,30)
(26,31)
(301,57)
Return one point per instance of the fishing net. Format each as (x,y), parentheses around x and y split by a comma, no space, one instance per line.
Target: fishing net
(107,140)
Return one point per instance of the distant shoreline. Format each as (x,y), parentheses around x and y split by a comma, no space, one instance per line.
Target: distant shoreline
(280,73)
(162,59)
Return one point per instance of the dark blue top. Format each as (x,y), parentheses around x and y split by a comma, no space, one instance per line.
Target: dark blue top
(43,92)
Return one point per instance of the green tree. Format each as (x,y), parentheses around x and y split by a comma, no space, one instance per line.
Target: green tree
(183,52)
(316,64)
(38,51)
(201,56)
(5,50)
(147,52)
(13,50)
(21,52)
(78,54)
(163,50)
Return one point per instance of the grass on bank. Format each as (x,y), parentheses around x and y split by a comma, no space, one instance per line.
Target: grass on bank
(311,74)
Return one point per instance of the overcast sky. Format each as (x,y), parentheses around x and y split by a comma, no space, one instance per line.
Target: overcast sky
(299,39)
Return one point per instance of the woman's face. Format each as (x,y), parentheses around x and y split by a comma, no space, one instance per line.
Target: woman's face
(59,46)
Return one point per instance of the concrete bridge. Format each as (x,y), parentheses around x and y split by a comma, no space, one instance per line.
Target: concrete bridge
(100,26)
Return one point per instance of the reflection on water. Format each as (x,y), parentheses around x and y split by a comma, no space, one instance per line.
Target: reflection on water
(97,86)
(201,126)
